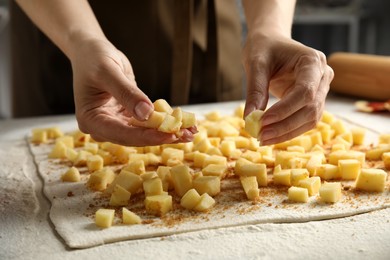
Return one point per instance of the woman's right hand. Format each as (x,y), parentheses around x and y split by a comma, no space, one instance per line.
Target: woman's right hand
(106,96)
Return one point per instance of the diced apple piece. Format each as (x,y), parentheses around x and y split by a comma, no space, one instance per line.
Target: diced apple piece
(137,167)
(190,199)
(91,147)
(214,159)
(94,163)
(303,140)
(104,217)
(312,184)
(213,116)
(358,135)
(239,111)
(298,175)
(338,126)
(298,194)
(170,125)
(153,187)
(130,218)
(282,177)
(349,169)
(128,180)
(182,179)
(227,147)
(161,105)
(107,157)
(330,192)
(203,145)
(227,129)
(252,156)
(58,151)
(371,180)
(120,196)
(314,162)
(215,170)
(376,153)
(207,184)
(154,121)
(99,180)
(158,205)
(80,138)
(54,132)
(214,151)
(250,186)
(254,169)
(188,119)
(71,175)
(296,148)
(206,202)
(253,124)
(283,158)
(171,153)
(39,136)
(199,159)
(148,175)
(316,138)
(337,147)
(81,158)
(164,173)
(334,157)
(328,172)
(327,117)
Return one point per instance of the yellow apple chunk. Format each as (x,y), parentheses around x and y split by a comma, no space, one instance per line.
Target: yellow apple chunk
(71,175)
(386,160)
(330,192)
(161,105)
(282,177)
(104,217)
(128,180)
(99,180)
(39,136)
(119,197)
(207,184)
(59,151)
(94,163)
(312,184)
(188,119)
(215,170)
(298,194)
(371,180)
(298,175)
(182,179)
(129,217)
(349,169)
(171,153)
(158,205)
(170,125)
(250,186)
(153,187)
(154,121)
(328,172)
(190,199)
(253,124)
(206,202)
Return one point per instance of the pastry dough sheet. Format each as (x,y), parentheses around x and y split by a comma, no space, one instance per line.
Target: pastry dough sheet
(73,207)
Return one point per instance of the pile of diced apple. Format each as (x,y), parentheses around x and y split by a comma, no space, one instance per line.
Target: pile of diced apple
(311,165)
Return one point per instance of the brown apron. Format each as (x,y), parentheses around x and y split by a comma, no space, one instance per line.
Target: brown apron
(185,51)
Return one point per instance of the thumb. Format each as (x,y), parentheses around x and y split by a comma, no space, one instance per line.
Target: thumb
(126,91)
(257,88)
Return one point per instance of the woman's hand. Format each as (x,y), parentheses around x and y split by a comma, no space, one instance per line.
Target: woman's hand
(106,96)
(296,74)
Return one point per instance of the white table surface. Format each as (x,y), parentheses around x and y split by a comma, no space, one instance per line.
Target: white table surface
(27,233)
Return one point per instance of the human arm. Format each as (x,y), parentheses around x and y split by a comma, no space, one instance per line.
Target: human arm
(276,64)
(106,93)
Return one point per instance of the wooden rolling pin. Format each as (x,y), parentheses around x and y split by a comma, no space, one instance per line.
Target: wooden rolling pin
(361,75)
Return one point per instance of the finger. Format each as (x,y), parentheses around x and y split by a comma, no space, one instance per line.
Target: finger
(117,131)
(257,86)
(308,73)
(125,90)
(302,120)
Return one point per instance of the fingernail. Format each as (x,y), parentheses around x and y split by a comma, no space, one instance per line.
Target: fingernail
(269,119)
(143,110)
